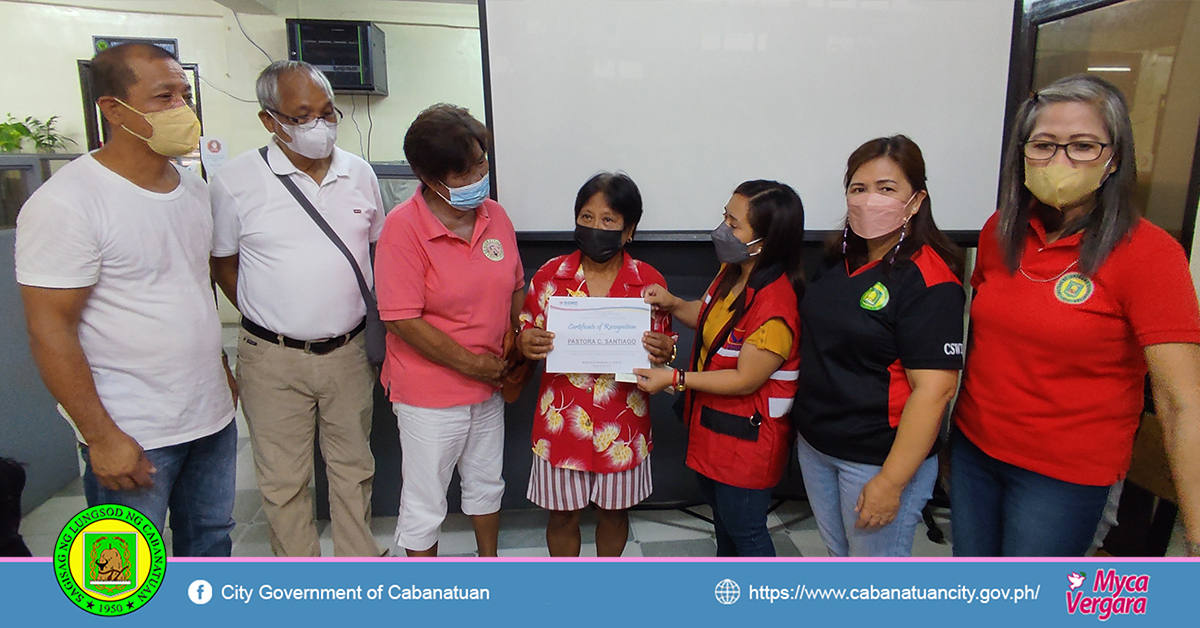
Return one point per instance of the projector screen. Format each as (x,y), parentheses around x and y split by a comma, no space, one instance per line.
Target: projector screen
(692,97)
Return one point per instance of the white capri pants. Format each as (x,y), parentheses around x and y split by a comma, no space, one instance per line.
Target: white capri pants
(432,442)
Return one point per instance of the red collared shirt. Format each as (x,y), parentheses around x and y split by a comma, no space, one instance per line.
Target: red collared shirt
(590,422)
(423,270)
(1055,367)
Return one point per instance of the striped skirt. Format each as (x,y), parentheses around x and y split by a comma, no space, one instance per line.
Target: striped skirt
(566,489)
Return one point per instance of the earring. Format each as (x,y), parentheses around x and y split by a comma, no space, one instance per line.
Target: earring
(896,251)
(845,236)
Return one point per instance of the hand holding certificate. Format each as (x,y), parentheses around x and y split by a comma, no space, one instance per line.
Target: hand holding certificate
(597,334)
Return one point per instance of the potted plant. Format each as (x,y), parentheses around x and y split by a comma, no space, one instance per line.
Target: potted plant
(12,134)
(43,135)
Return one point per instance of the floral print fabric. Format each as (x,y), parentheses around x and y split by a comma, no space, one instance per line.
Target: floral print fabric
(590,422)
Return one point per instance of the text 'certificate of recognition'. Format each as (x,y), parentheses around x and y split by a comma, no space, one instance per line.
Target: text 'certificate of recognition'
(597,334)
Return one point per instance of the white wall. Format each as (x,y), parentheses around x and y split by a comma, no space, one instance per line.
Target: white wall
(433,55)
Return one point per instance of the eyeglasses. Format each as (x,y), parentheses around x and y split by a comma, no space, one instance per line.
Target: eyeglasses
(309,122)
(1041,150)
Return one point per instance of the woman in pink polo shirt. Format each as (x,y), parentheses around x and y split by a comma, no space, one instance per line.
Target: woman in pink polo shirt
(450,286)
(1077,296)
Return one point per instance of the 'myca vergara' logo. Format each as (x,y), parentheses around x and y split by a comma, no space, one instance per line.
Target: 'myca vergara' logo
(1113,594)
(109,560)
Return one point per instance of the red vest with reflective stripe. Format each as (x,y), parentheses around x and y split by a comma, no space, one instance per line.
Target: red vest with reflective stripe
(744,441)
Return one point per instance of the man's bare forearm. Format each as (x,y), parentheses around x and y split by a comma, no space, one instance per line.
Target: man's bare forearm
(225,274)
(54,342)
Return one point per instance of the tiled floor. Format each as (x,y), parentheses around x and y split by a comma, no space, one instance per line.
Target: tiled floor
(522,533)
(651,533)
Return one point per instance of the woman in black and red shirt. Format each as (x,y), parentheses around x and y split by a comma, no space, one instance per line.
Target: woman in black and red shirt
(1076,298)
(882,329)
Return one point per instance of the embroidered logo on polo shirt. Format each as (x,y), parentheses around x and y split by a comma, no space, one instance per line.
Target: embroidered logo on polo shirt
(493,249)
(1073,289)
(875,299)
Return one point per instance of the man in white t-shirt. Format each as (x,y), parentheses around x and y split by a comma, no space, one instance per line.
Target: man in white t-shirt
(112,257)
(302,366)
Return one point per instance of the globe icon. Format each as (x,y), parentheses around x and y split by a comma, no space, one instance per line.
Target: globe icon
(728,591)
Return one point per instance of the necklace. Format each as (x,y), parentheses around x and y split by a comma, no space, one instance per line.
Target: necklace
(1054,278)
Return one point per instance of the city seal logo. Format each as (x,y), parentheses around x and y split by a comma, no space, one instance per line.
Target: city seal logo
(493,249)
(1073,289)
(109,560)
(876,298)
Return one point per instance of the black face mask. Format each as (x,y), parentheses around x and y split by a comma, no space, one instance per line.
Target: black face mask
(599,245)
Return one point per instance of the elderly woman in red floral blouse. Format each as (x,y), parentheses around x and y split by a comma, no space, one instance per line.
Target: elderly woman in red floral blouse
(591,433)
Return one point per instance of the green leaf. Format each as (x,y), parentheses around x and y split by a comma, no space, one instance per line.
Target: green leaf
(43,134)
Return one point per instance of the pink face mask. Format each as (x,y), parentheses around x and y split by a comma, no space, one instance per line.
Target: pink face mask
(874,215)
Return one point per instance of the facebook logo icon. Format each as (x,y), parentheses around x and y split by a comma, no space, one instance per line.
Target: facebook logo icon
(200,592)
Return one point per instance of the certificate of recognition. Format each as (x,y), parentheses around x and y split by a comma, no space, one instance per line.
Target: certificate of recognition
(597,334)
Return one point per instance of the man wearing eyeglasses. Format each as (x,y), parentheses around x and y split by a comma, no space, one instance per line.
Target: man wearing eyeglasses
(302,367)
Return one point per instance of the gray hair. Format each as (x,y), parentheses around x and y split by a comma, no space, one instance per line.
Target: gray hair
(1115,214)
(267,86)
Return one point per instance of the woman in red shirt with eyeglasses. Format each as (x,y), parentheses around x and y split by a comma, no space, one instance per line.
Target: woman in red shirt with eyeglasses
(1077,297)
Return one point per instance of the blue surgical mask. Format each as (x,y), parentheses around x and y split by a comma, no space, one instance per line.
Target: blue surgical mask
(468,197)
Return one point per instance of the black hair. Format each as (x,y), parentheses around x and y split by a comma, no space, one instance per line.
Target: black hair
(777,216)
(620,194)
(110,71)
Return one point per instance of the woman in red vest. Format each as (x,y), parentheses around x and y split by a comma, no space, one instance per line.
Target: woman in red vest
(1077,297)
(745,362)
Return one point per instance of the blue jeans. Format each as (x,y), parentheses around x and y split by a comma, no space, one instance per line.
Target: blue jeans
(739,518)
(196,480)
(833,486)
(998,509)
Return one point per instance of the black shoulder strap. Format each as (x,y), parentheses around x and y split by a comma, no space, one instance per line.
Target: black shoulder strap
(329,232)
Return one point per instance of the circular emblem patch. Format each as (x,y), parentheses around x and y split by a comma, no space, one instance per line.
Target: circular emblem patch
(493,249)
(109,560)
(1073,289)
(875,299)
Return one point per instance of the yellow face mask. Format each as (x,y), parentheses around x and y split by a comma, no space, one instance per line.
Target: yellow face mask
(1061,185)
(174,132)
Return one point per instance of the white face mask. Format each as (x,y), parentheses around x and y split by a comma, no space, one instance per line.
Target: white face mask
(315,143)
